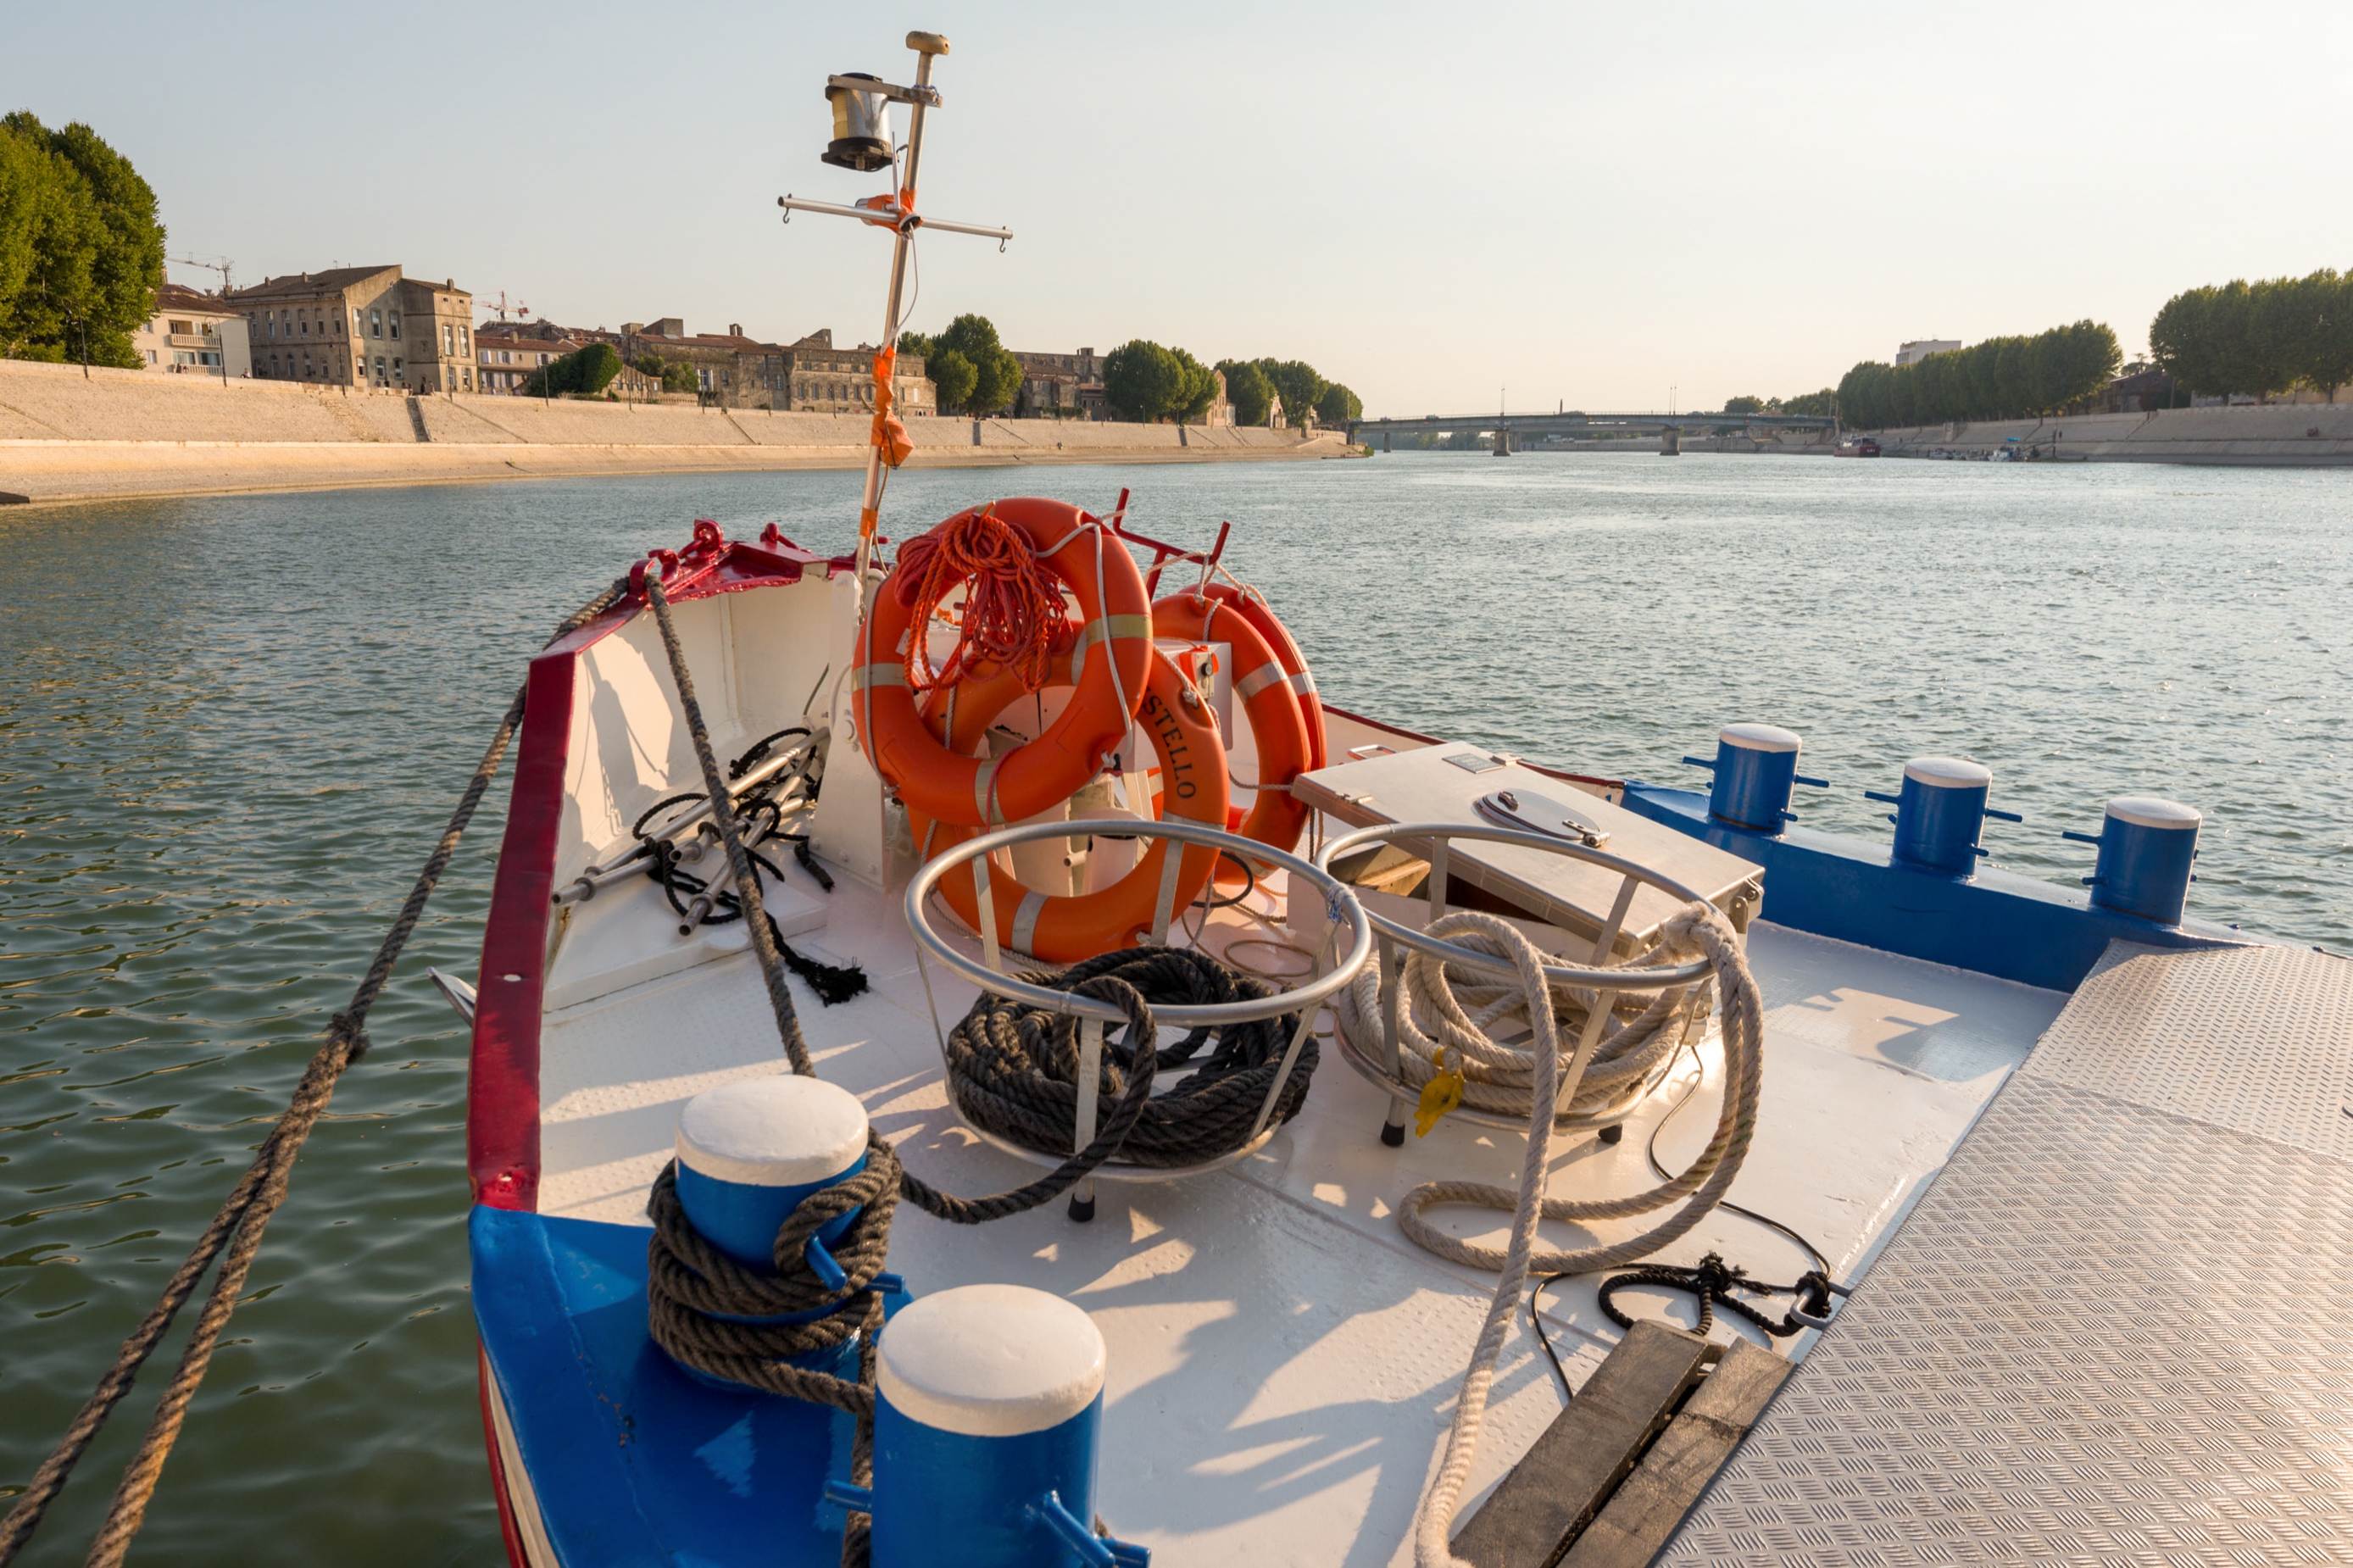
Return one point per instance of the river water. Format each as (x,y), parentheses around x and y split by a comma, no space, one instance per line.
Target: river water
(229,729)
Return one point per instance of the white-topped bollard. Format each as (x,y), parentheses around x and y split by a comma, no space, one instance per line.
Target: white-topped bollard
(2146,845)
(1755,765)
(989,1402)
(1941,813)
(749,1151)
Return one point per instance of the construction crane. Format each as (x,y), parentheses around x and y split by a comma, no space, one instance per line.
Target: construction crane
(502,306)
(220,264)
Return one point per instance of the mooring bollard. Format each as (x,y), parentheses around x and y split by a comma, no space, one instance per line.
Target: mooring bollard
(2146,845)
(1755,765)
(1940,814)
(987,1414)
(749,1151)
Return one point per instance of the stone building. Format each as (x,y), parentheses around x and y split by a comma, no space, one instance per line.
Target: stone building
(363,326)
(822,379)
(505,356)
(1056,385)
(193,333)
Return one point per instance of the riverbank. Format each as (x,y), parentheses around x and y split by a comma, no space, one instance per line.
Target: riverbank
(117,433)
(2287,434)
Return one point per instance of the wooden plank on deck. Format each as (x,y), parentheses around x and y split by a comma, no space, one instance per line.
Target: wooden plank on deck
(1562,1481)
(1643,1512)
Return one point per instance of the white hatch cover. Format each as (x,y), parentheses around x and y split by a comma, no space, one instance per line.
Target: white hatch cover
(2148,811)
(990,1361)
(1759,737)
(780,1131)
(1947,773)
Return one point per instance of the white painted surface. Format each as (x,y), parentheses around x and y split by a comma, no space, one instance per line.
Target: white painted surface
(778,1131)
(2148,811)
(990,1361)
(1947,773)
(1760,738)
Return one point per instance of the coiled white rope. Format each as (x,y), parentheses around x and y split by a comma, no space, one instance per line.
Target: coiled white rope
(1451,1012)
(1697,930)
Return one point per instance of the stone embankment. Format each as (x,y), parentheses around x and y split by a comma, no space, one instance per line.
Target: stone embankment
(126,433)
(2287,434)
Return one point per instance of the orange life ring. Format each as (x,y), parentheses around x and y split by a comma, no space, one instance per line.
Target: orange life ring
(951,787)
(1263,687)
(1263,621)
(1066,928)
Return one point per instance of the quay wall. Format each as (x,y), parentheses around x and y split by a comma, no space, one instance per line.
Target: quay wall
(2287,434)
(116,433)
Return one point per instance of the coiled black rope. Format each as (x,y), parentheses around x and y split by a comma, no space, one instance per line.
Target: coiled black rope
(1712,1282)
(1012,1068)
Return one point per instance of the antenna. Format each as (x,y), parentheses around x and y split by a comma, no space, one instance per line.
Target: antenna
(862,141)
(220,264)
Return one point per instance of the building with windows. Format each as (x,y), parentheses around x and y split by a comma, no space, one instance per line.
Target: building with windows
(193,333)
(1060,385)
(361,326)
(812,376)
(1919,349)
(504,357)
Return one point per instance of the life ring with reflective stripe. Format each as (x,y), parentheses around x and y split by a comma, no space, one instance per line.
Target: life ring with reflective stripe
(1263,620)
(950,786)
(1263,687)
(1066,928)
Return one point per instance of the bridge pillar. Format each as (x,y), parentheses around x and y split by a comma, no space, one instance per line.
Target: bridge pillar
(1670,442)
(1385,440)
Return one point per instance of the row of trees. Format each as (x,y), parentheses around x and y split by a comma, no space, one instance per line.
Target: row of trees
(1999,378)
(81,246)
(1251,387)
(2256,339)
(1817,404)
(971,371)
(589,371)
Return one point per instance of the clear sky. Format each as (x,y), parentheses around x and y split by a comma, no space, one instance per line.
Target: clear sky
(1587,205)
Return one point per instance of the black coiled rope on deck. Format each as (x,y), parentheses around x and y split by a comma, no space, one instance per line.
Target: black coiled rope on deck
(1013,1068)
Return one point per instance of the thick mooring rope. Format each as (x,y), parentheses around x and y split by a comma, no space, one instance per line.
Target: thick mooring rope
(1697,930)
(1453,1013)
(1013,1068)
(235,1234)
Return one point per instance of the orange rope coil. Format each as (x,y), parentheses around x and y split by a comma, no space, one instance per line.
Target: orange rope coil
(1012,602)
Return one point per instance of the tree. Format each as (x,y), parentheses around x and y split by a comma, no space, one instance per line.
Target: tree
(80,248)
(1247,389)
(1744,406)
(1199,392)
(1143,381)
(1818,405)
(588,370)
(995,374)
(2326,361)
(951,379)
(1338,405)
(1301,387)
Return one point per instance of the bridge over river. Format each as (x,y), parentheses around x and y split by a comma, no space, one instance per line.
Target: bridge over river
(1517,429)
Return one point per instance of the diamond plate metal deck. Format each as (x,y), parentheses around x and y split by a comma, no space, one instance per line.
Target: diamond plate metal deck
(2111,1333)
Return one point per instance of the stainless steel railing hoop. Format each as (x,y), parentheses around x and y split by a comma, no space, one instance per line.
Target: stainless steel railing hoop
(1339,900)
(1435,832)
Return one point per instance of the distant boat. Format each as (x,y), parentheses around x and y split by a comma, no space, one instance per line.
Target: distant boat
(1858,446)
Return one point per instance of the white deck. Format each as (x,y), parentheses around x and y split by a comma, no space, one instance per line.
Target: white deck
(1283,1359)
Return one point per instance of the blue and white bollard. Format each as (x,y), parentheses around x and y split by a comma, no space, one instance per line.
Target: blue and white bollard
(2146,845)
(1755,766)
(1940,814)
(987,1419)
(749,1151)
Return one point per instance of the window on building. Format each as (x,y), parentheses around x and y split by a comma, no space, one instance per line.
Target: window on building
(376,324)
(182,326)
(379,367)
(448,339)
(398,374)
(466,339)
(396,325)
